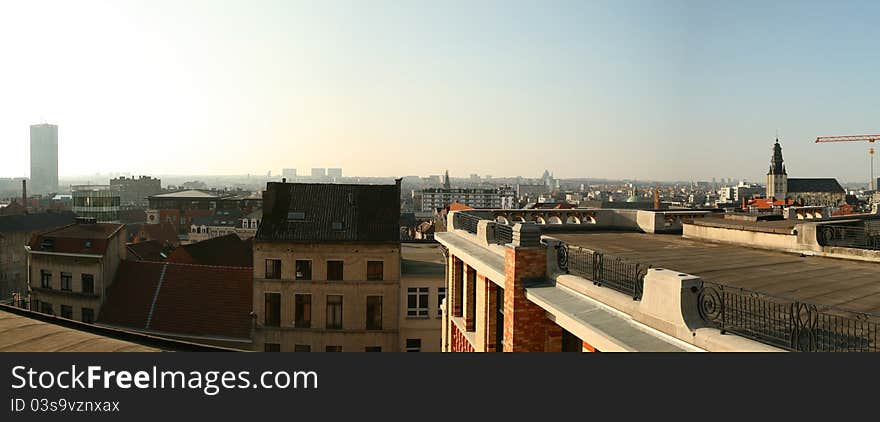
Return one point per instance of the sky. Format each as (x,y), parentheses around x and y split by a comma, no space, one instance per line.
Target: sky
(654,90)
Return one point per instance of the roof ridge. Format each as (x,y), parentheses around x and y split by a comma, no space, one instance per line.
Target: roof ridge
(156,296)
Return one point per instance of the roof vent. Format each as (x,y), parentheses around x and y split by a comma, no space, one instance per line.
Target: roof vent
(296,216)
(337,225)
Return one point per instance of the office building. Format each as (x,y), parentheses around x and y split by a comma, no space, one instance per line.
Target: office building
(101,202)
(44,158)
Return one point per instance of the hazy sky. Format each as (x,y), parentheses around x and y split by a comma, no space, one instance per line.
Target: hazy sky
(653,90)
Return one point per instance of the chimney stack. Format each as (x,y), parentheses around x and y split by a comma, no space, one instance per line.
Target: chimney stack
(24,193)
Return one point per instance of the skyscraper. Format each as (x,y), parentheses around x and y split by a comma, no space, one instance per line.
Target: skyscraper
(44,158)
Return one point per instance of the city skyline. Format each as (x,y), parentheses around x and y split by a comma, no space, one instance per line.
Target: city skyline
(644,90)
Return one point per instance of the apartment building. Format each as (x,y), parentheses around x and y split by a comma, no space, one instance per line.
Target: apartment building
(70,268)
(327,268)
(422,290)
(500,197)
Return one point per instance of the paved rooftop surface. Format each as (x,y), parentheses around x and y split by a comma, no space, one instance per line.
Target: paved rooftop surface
(19,333)
(850,285)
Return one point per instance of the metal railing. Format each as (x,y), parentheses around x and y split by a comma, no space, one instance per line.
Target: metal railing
(603,269)
(786,323)
(866,236)
(467,222)
(503,234)
(20,302)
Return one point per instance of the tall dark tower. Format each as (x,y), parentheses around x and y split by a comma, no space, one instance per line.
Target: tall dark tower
(44,158)
(446,183)
(777,178)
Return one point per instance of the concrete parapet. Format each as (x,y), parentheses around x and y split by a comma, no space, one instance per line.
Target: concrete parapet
(526,235)
(669,302)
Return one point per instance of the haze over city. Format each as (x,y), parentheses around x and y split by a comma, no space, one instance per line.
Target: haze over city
(649,90)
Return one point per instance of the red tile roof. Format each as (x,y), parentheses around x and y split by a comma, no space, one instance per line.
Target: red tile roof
(77,238)
(190,300)
(150,250)
(227,250)
(164,232)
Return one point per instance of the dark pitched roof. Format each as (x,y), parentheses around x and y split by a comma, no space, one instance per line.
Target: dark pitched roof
(150,250)
(77,238)
(814,185)
(308,212)
(35,222)
(191,299)
(228,250)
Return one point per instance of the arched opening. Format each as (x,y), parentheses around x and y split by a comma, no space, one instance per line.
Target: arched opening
(554,220)
(572,220)
(518,219)
(500,219)
(540,220)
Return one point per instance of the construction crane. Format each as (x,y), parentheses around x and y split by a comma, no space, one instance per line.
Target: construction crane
(856,138)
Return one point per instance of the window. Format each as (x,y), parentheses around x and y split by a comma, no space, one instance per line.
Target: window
(333,349)
(303,311)
(334,270)
(441,294)
(45,279)
(334,312)
(271,347)
(413,345)
(499,319)
(46,308)
(88,283)
(373,349)
(374,312)
(417,302)
(303,269)
(296,216)
(302,348)
(66,312)
(374,270)
(273,268)
(88,315)
(65,281)
(273,310)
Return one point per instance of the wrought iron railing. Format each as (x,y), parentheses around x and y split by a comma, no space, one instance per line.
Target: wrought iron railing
(866,236)
(786,323)
(503,234)
(466,222)
(603,269)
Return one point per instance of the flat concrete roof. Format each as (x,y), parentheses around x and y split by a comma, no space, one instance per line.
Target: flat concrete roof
(18,333)
(422,259)
(849,285)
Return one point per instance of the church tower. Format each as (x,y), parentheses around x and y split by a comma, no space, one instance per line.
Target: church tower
(777,178)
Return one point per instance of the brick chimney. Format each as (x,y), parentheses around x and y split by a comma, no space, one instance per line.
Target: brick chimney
(24,193)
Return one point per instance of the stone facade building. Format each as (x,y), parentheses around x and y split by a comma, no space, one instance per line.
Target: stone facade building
(70,268)
(804,191)
(15,233)
(327,268)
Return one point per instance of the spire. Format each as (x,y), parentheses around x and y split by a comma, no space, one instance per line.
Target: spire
(776,164)
(446,183)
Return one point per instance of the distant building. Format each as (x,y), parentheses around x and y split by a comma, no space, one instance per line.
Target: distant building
(44,158)
(327,268)
(334,173)
(70,268)
(812,191)
(136,191)
(101,202)
(222,223)
(319,172)
(289,174)
(15,233)
(433,198)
